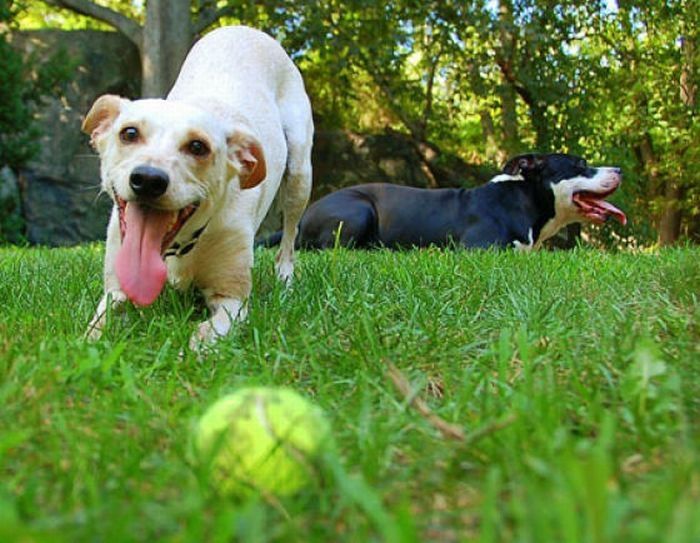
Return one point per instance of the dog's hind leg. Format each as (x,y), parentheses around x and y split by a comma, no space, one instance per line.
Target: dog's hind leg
(346,218)
(296,187)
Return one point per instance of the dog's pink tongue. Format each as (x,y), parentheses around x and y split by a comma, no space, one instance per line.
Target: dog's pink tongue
(592,203)
(614,211)
(140,268)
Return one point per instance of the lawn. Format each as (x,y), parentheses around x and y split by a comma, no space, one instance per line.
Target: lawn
(574,377)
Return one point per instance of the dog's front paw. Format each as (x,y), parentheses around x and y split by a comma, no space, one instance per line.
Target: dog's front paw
(205,336)
(226,312)
(114,300)
(285,272)
(93,332)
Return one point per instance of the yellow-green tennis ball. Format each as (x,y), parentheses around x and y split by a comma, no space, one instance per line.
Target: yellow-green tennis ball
(262,439)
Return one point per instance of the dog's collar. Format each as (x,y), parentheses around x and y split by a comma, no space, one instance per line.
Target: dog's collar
(181,249)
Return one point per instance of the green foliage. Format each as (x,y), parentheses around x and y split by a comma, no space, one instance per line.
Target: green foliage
(573,374)
(489,79)
(17,133)
(614,81)
(12,228)
(639,111)
(23,84)
(36,14)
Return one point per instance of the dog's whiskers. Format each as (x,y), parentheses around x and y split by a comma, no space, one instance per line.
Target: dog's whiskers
(100,193)
(89,188)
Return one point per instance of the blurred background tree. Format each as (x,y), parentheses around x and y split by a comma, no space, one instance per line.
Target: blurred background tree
(24,83)
(615,81)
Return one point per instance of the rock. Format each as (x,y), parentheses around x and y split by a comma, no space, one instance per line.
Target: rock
(11,220)
(9,192)
(342,158)
(60,212)
(60,185)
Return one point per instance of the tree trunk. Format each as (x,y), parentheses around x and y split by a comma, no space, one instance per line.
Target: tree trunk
(689,87)
(671,217)
(167,38)
(670,223)
(509,116)
(163,41)
(493,151)
(670,220)
(688,81)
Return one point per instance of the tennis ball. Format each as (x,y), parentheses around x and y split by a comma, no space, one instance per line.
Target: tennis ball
(261,439)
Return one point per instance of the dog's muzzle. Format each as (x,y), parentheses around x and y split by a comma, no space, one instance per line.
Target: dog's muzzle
(148,182)
(592,204)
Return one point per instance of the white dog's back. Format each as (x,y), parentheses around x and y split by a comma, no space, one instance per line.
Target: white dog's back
(236,64)
(246,78)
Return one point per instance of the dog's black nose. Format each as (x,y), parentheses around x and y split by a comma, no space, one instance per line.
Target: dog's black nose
(148,182)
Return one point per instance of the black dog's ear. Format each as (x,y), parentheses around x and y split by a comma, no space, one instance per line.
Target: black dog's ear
(524,163)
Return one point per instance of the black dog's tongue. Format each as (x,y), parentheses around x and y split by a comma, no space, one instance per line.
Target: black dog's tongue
(591,203)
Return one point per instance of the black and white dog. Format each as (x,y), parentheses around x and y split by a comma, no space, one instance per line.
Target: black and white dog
(534,197)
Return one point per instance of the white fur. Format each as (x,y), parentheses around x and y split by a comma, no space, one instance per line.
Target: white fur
(237,90)
(565,211)
(525,247)
(500,178)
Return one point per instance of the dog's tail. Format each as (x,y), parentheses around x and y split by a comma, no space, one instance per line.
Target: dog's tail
(273,240)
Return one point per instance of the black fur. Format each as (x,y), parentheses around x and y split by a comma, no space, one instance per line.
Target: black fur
(496,214)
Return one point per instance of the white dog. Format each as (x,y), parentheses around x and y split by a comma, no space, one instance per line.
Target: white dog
(192,176)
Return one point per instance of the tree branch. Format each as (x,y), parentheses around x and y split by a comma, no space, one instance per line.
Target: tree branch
(130,28)
(448,430)
(209,16)
(428,108)
(511,78)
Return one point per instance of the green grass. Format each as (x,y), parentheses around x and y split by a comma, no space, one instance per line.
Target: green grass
(590,360)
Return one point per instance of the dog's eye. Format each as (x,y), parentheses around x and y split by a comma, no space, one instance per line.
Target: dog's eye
(130,134)
(198,148)
(582,164)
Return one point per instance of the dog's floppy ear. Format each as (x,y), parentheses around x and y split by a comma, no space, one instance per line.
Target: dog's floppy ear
(522,164)
(246,156)
(101,116)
